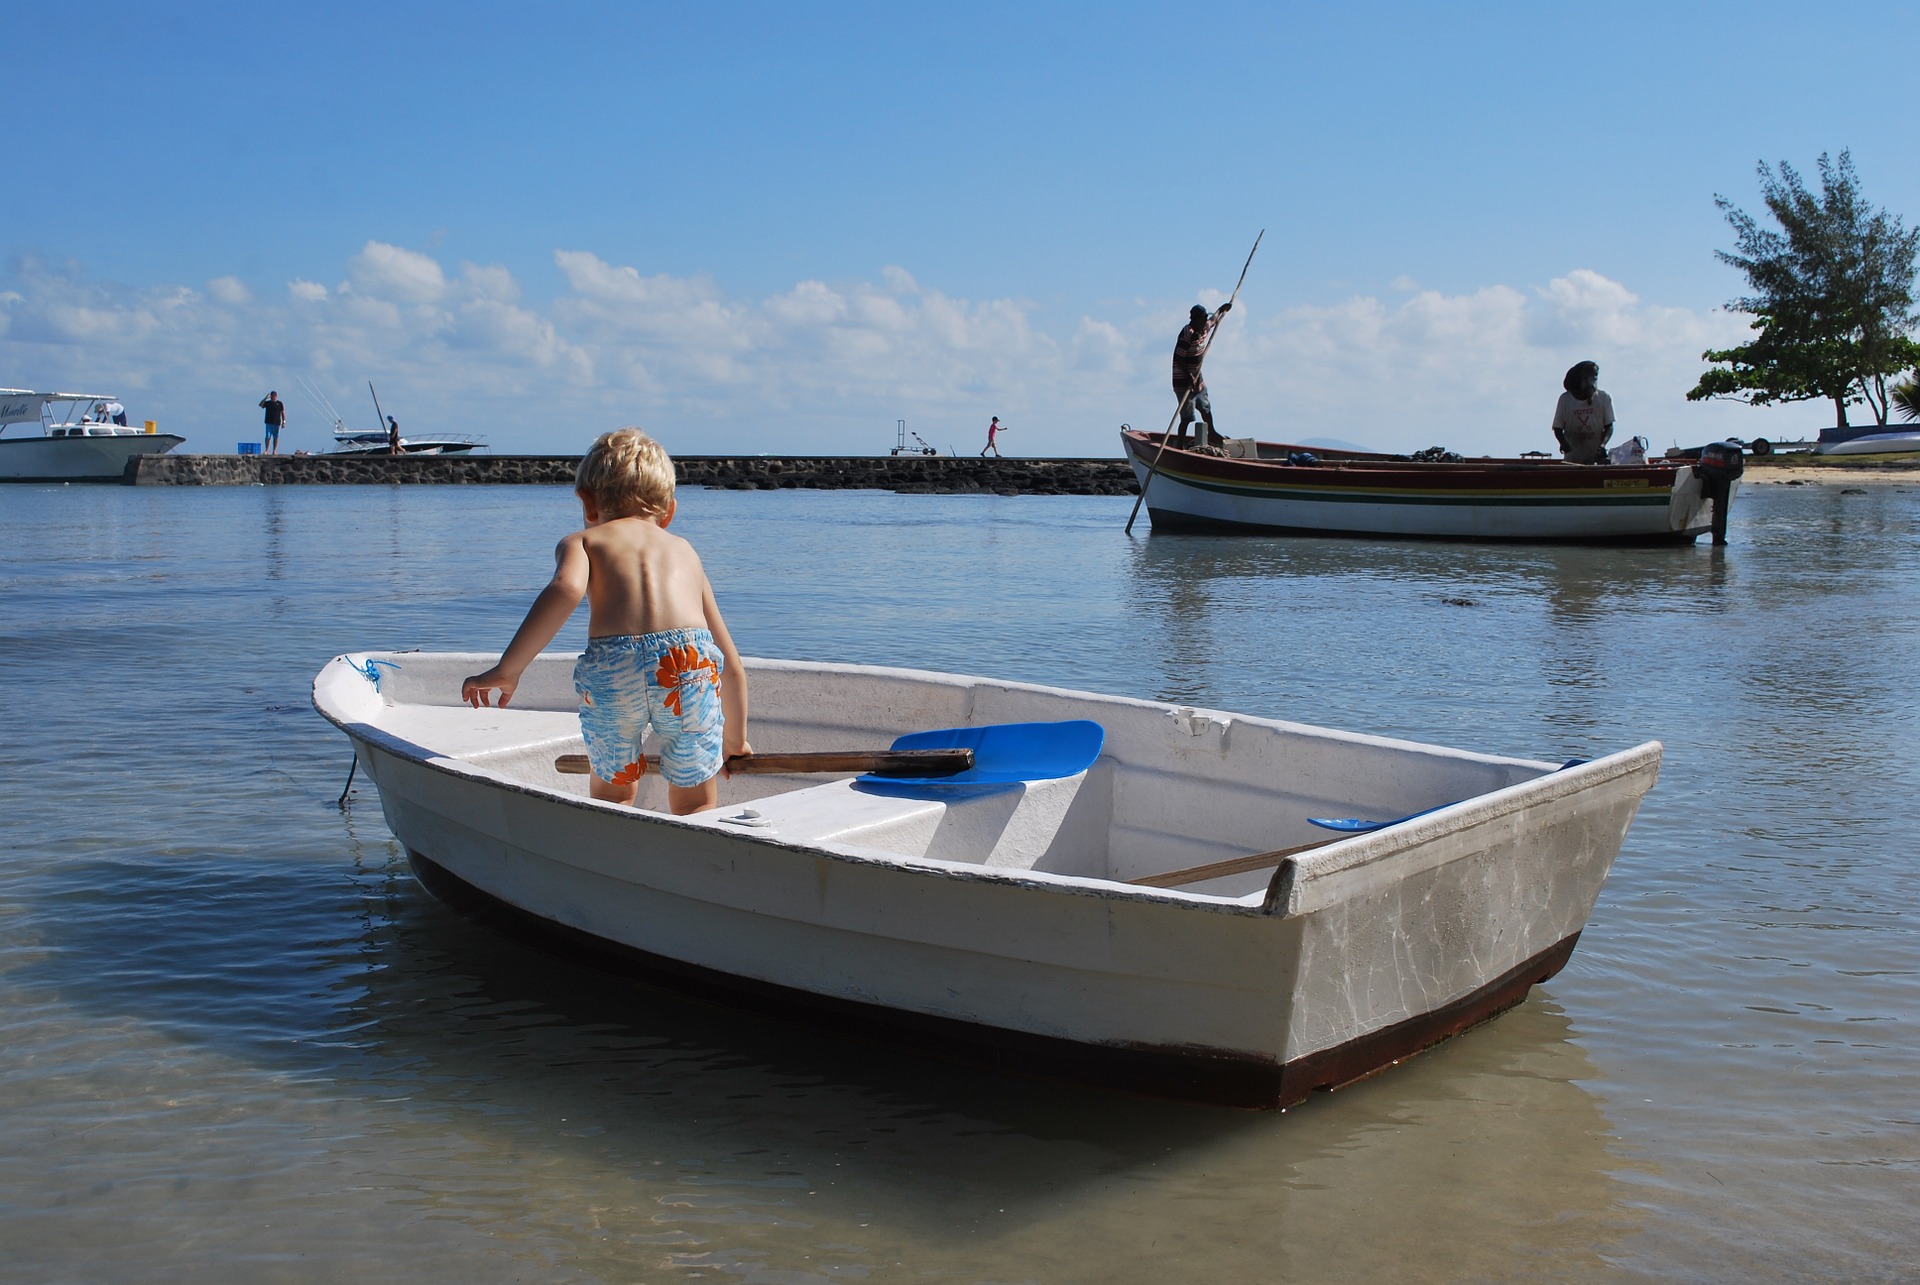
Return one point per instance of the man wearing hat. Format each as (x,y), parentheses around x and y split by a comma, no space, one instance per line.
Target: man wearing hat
(1188,352)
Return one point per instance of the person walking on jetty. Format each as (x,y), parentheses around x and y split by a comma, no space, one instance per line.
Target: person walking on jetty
(993,430)
(1583,417)
(1189,351)
(658,653)
(393,436)
(276,420)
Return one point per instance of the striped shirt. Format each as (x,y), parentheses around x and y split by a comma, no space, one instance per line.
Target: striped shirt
(1188,351)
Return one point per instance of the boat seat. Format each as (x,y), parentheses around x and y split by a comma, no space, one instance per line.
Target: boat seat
(1058,825)
(494,737)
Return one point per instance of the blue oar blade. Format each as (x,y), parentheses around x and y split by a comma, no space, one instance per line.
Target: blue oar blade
(1359,825)
(1347,825)
(1005,753)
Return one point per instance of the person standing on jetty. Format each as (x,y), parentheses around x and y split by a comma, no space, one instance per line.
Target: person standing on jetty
(1583,417)
(657,651)
(993,430)
(393,436)
(1189,350)
(276,419)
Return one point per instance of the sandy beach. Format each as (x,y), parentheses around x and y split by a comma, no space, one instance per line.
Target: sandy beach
(1801,470)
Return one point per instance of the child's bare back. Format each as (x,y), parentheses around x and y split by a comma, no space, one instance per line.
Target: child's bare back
(641,579)
(658,654)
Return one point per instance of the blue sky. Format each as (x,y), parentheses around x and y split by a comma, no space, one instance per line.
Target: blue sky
(782,228)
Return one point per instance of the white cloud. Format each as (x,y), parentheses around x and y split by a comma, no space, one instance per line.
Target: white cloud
(389,272)
(493,282)
(229,290)
(829,366)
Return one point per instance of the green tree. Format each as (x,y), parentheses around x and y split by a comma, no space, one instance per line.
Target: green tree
(1832,297)
(1906,396)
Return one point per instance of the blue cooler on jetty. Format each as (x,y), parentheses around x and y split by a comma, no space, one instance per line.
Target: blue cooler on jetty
(248,448)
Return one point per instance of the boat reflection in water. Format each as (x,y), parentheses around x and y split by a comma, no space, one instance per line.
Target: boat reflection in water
(413,1065)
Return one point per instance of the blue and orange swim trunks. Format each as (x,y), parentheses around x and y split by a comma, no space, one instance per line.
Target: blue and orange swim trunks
(669,681)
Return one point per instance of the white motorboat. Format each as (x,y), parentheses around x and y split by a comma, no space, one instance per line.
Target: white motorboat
(1168,917)
(1869,440)
(79,440)
(348,442)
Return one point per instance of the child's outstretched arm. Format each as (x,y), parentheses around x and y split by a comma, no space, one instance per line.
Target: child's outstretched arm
(544,619)
(733,680)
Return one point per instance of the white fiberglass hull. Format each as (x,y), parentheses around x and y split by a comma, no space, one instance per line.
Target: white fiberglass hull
(1895,442)
(1008,918)
(77,459)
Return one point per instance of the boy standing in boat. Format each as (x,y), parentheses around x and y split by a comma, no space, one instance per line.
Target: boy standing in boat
(658,653)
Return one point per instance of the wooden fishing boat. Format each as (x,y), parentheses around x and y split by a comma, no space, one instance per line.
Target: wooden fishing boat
(1156,908)
(1270,486)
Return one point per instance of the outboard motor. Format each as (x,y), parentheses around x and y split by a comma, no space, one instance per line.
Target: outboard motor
(1719,466)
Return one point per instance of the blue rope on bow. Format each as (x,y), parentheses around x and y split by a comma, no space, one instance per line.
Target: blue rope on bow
(370,669)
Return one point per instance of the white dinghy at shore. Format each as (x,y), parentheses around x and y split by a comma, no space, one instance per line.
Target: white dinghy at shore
(1015,918)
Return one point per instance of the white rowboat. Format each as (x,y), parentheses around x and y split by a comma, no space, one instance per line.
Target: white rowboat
(1283,959)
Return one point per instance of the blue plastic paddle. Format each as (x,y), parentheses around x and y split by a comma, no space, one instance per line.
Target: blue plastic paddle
(1005,753)
(1357,825)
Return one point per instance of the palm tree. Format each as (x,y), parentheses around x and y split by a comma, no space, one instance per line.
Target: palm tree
(1906,396)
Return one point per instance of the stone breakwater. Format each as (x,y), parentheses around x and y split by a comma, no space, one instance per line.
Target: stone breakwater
(911,474)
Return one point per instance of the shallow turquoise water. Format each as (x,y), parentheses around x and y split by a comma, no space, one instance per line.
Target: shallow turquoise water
(239,1042)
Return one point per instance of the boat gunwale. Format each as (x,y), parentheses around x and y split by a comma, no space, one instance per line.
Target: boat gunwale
(1280,898)
(1575,475)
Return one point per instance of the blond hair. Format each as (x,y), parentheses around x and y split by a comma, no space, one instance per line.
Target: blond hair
(627,474)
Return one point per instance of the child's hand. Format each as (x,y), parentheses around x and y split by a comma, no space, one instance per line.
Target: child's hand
(474,690)
(733,753)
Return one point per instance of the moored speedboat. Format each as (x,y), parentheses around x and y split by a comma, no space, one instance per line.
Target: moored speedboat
(1270,486)
(79,441)
(1868,440)
(1167,917)
(347,442)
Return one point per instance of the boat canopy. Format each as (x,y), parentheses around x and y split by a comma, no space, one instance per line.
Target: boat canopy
(23,406)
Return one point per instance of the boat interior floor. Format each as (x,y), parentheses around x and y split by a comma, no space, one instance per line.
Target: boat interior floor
(1060,825)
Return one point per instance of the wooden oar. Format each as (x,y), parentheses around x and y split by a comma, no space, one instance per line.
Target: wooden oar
(1154,464)
(878,762)
(1221,869)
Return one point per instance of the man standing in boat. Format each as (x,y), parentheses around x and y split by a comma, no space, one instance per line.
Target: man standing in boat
(1583,418)
(1188,383)
(276,418)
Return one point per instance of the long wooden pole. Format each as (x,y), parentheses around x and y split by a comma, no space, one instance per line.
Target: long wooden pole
(1153,466)
(879,762)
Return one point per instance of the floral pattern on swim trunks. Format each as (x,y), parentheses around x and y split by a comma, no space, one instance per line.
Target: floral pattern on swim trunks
(693,684)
